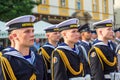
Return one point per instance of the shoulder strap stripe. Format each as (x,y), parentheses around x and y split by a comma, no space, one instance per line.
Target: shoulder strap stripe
(45,54)
(6,67)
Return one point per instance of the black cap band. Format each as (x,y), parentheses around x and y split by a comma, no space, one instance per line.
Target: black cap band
(103,25)
(52,30)
(68,27)
(20,25)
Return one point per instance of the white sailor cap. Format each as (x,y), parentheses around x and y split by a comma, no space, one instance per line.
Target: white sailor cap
(68,24)
(51,28)
(20,22)
(103,24)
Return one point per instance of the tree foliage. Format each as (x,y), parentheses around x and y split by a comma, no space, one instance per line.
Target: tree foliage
(10,9)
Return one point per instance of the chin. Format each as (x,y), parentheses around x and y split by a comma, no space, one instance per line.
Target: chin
(75,41)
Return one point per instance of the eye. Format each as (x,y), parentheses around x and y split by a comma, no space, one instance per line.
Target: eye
(33,30)
(73,31)
(26,31)
(29,31)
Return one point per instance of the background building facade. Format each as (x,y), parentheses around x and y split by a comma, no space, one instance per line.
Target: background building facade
(55,11)
(117,13)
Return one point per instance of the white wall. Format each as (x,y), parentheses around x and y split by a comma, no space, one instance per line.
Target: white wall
(71,4)
(88,5)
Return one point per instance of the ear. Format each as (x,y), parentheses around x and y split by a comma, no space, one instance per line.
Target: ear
(10,37)
(100,32)
(64,33)
(47,35)
(14,35)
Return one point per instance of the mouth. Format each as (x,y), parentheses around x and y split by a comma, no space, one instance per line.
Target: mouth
(31,39)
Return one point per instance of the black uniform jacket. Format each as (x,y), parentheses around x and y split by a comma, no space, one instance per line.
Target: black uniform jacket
(85,49)
(48,48)
(23,68)
(97,71)
(59,71)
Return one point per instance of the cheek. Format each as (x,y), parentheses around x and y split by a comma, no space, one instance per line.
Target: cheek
(72,36)
(105,34)
(68,36)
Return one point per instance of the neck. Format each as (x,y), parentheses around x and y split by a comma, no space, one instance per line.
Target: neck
(70,44)
(104,40)
(22,49)
(85,39)
(53,43)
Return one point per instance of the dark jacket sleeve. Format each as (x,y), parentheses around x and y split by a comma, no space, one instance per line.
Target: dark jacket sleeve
(96,67)
(44,67)
(1,74)
(58,68)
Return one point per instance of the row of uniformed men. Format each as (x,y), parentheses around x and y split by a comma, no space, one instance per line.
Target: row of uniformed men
(77,60)
(70,60)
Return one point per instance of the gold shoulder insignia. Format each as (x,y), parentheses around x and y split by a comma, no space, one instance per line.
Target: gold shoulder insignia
(55,60)
(93,54)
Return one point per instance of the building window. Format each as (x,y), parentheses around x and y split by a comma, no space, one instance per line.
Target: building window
(94,5)
(105,6)
(62,3)
(78,4)
(43,1)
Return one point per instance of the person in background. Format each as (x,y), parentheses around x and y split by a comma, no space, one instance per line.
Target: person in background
(102,59)
(85,46)
(53,36)
(1,47)
(93,36)
(37,43)
(117,36)
(18,62)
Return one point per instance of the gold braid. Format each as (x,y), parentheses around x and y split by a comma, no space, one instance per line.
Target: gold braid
(67,63)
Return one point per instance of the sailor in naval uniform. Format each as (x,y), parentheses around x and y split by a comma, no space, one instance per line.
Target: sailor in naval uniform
(102,59)
(93,36)
(66,58)
(85,46)
(46,50)
(18,62)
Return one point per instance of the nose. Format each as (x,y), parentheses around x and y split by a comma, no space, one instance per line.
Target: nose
(32,34)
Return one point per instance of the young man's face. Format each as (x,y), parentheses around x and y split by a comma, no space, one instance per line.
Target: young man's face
(117,34)
(86,35)
(53,36)
(93,36)
(72,35)
(25,36)
(107,33)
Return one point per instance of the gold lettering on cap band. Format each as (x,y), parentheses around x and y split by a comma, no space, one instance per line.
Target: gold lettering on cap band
(72,26)
(110,25)
(27,24)
(56,29)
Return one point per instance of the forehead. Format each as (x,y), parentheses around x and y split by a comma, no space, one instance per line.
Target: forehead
(108,28)
(24,29)
(75,29)
(52,33)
